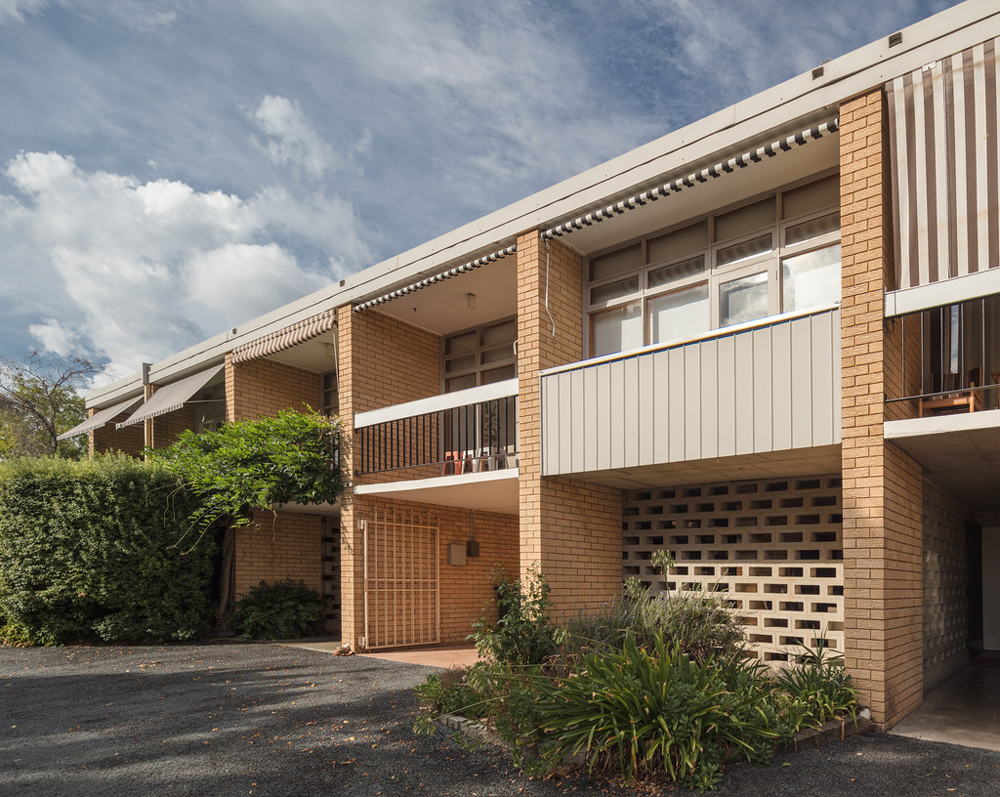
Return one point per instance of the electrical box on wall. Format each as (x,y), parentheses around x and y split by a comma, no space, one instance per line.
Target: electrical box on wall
(456,553)
(472,549)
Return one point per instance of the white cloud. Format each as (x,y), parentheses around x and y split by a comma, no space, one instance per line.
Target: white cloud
(57,337)
(15,10)
(291,140)
(141,270)
(233,277)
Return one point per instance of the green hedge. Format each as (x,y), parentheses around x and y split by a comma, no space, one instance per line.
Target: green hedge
(87,552)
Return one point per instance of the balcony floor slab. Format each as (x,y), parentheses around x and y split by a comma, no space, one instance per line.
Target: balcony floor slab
(960,453)
(492,491)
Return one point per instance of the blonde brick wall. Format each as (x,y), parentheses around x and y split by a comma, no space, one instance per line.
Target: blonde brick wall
(128,440)
(264,387)
(382,362)
(570,529)
(167,428)
(882,486)
(466,590)
(279,546)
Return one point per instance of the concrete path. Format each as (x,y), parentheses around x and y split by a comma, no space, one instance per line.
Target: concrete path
(227,719)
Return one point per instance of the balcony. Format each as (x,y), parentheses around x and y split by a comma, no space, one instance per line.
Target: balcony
(946,411)
(455,449)
(761,398)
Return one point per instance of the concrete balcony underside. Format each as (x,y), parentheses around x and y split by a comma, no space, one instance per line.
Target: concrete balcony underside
(488,491)
(772,464)
(960,453)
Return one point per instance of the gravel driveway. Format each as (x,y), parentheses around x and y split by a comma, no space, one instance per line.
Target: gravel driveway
(263,719)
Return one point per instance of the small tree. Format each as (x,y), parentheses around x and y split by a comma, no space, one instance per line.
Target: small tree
(39,401)
(255,464)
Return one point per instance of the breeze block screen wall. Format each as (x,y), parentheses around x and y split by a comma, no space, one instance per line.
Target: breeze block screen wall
(772,546)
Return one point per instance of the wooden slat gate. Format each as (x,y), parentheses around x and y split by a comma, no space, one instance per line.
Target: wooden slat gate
(402,581)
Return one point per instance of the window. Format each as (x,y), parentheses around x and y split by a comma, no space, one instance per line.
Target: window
(479,356)
(331,396)
(209,409)
(775,254)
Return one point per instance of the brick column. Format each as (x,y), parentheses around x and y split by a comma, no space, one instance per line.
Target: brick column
(351,550)
(382,362)
(570,529)
(883,538)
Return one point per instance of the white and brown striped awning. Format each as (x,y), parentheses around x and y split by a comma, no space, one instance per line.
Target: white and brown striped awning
(282,339)
(945,157)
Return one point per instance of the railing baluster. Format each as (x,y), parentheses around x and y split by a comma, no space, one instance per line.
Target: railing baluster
(470,431)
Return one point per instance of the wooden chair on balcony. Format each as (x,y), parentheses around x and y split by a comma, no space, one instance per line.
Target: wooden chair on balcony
(964,399)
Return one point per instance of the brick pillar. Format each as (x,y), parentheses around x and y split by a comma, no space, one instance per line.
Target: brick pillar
(382,362)
(571,530)
(883,536)
(351,541)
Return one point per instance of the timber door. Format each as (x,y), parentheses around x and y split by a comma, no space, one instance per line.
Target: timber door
(402,572)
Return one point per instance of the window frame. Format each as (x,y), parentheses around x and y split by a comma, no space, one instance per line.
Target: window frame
(713,275)
(480,368)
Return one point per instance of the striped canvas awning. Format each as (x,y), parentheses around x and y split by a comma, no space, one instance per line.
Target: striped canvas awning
(100,418)
(452,272)
(286,338)
(171,397)
(727,166)
(945,160)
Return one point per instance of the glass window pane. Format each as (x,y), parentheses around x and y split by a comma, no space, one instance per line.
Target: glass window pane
(460,383)
(676,271)
(812,229)
(505,332)
(615,263)
(811,279)
(498,354)
(679,314)
(744,221)
(459,344)
(743,299)
(822,194)
(742,251)
(678,243)
(614,289)
(463,363)
(616,330)
(499,374)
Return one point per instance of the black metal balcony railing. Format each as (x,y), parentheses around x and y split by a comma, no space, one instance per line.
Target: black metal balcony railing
(470,438)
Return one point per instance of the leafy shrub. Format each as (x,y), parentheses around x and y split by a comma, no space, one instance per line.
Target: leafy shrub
(818,688)
(256,463)
(636,712)
(285,610)
(523,633)
(87,552)
(699,623)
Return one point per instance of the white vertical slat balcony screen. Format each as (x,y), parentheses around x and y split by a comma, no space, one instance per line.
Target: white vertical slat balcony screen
(772,386)
(945,156)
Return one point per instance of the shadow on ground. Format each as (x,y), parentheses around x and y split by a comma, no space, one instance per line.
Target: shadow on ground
(262,719)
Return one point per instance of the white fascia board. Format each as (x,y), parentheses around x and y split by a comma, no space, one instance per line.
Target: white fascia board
(778,110)
(945,292)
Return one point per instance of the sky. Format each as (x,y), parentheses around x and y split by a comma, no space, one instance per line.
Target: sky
(173,168)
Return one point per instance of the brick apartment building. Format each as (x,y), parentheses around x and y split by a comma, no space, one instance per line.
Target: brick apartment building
(768,342)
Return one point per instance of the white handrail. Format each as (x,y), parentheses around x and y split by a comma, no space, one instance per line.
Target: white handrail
(443,401)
